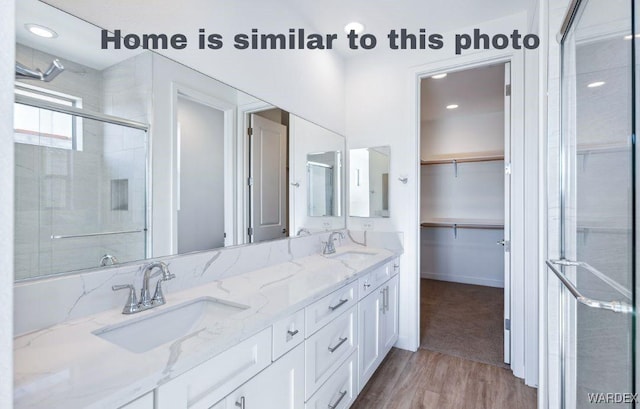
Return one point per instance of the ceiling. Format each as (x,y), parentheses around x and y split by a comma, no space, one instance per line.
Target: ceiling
(329,16)
(475,91)
(380,16)
(76,39)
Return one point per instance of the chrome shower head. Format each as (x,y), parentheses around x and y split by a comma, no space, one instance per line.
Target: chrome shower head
(24,72)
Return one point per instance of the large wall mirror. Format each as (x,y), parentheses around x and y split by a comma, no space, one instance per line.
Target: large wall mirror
(122,155)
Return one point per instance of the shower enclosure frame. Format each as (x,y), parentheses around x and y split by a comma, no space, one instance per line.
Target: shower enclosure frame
(110,119)
(568,327)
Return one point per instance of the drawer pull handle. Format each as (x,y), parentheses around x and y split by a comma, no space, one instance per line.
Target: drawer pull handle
(292,333)
(338,305)
(335,405)
(342,341)
(240,403)
(366,285)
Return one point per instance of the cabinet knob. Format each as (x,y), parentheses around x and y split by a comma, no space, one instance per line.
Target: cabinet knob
(240,403)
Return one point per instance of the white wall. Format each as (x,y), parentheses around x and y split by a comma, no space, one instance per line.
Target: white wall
(7,60)
(382,109)
(306,83)
(480,132)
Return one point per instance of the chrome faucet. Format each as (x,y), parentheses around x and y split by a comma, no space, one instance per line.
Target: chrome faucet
(329,246)
(303,230)
(146,301)
(108,259)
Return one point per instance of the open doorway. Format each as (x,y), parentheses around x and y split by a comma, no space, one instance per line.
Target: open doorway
(464,213)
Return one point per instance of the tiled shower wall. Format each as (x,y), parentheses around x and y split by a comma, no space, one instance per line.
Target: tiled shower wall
(64,192)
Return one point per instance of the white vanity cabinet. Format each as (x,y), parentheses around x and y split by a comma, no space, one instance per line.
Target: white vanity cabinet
(210,382)
(389,327)
(280,386)
(369,332)
(327,349)
(318,357)
(377,326)
(340,390)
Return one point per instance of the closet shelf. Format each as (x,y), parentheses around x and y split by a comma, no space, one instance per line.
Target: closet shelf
(463,158)
(464,223)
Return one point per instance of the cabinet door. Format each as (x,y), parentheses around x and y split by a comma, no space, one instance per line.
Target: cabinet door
(280,386)
(389,317)
(369,320)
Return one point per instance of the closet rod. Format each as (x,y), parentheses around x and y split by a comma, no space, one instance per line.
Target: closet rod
(464,225)
(462,160)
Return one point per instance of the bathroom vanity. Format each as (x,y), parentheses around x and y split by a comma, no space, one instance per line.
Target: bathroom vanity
(307,332)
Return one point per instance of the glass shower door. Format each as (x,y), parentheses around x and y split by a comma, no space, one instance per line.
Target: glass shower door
(597,215)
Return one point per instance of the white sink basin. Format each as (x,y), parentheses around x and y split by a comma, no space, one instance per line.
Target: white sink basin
(353,256)
(155,328)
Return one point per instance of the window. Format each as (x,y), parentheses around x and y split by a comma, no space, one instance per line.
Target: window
(44,127)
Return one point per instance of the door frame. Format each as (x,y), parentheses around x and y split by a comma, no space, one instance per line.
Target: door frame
(229,111)
(524,304)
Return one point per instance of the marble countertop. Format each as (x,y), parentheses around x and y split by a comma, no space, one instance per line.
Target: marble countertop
(66,366)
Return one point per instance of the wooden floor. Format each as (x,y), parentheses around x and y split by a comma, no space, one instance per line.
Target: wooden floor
(432,380)
(459,364)
(462,320)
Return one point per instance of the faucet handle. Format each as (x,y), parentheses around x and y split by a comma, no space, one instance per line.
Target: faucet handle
(158,296)
(132,303)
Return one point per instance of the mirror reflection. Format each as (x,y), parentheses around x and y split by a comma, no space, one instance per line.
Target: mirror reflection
(125,154)
(369,182)
(324,172)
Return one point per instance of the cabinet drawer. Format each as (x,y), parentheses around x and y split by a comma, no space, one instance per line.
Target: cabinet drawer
(340,390)
(374,279)
(324,310)
(208,383)
(280,386)
(326,350)
(287,333)
(143,402)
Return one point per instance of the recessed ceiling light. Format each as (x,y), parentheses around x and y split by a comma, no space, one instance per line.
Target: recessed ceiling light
(41,31)
(452,106)
(596,84)
(355,27)
(439,76)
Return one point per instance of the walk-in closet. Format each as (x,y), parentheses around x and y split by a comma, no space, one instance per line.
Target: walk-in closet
(464,158)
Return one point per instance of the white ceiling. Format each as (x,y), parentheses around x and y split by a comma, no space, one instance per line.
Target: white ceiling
(380,16)
(76,39)
(476,91)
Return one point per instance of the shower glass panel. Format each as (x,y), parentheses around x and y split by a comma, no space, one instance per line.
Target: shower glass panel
(597,207)
(80,192)
(320,189)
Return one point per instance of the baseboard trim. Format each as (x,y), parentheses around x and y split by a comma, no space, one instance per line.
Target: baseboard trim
(464,279)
